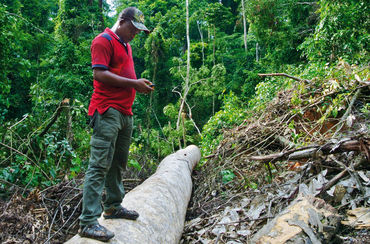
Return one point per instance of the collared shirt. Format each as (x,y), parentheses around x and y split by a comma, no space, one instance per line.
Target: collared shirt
(120,40)
(110,53)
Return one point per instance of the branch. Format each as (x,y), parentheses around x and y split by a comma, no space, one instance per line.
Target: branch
(336,178)
(55,116)
(284,142)
(34,26)
(347,113)
(283,74)
(24,155)
(306,3)
(191,118)
(24,117)
(309,152)
(306,229)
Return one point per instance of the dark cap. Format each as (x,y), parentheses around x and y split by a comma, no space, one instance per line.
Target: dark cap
(136,17)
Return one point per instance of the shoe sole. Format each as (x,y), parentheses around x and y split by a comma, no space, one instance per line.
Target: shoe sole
(119,217)
(106,239)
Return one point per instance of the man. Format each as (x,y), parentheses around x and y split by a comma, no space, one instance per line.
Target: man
(115,84)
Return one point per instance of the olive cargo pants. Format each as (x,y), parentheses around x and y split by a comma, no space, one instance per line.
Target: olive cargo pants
(110,145)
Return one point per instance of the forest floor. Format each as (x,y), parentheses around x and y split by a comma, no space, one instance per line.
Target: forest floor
(47,216)
(250,188)
(260,171)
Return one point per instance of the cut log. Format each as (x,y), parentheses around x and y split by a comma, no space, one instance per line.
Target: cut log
(161,201)
(358,218)
(304,218)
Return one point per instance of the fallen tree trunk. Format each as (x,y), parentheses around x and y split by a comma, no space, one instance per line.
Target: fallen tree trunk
(161,201)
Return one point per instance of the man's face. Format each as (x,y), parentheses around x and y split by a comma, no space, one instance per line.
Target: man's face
(127,31)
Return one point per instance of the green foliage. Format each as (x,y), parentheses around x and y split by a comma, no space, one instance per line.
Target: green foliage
(24,37)
(14,67)
(65,74)
(342,32)
(220,16)
(266,91)
(7,37)
(280,26)
(134,164)
(231,114)
(174,136)
(50,159)
(341,81)
(77,19)
(227,176)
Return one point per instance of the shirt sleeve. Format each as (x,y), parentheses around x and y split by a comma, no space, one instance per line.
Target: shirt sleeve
(101,52)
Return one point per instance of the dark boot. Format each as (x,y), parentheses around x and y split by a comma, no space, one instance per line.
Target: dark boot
(121,213)
(97,232)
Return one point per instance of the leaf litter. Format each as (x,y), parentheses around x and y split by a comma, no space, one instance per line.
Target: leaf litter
(298,167)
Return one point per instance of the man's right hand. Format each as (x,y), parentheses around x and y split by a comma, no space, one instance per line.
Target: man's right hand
(142,86)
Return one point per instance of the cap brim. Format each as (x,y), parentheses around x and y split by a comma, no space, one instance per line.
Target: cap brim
(140,26)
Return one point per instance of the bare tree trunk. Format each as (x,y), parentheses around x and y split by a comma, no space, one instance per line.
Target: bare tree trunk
(245,28)
(209,33)
(183,115)
(188,43)
(214,45)
(161,201)
(213,104)
(201,39)
(69,133)
(187,81)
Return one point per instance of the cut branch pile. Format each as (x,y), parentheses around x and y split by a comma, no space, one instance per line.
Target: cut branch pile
(313,139)
(48,216)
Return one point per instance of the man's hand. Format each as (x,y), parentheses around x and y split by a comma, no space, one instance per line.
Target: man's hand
(109,78)
(142,86)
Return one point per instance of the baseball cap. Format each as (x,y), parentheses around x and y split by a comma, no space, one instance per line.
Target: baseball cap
(136,17)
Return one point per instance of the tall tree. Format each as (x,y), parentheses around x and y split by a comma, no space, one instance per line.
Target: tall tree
(186,87)
(244,27)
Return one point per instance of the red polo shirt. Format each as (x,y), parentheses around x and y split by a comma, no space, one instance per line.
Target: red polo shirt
(109,52)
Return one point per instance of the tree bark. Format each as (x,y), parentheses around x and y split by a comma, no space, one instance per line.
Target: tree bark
(361,145)
(201,39)
(245,28)
(187,81)
(161,201)
(305,216)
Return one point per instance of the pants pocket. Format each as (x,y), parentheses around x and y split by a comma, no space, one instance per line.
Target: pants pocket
(100,152)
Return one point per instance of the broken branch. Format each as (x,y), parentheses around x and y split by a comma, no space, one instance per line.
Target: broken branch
(282,74)
(309,152)
(62,105)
